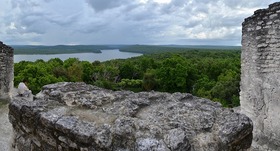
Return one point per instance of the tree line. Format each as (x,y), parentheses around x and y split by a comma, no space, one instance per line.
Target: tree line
(213,74)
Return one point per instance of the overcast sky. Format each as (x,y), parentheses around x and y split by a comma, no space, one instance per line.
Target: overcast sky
(186,22)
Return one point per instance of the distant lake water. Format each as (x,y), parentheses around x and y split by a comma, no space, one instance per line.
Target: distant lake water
(104,56)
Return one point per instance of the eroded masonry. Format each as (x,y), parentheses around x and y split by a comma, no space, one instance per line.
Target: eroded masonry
(76,116)
(6,71)
(260,76)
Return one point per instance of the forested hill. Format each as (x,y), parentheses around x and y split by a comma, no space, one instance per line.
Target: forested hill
(145,49)
(154,49)
(59,49)
(213,74)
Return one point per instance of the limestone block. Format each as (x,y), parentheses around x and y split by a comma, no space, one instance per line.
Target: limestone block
(260,76)
(7,71)
(123,120)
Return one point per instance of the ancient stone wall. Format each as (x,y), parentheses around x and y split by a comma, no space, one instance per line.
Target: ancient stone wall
(260,76)
(6,71)
(76,116)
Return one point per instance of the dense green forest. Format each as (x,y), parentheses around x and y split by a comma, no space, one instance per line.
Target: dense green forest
(213,74)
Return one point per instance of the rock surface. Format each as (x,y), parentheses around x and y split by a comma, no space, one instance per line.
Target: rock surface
(6,71)
(260,76)
(6,129)
(76,116)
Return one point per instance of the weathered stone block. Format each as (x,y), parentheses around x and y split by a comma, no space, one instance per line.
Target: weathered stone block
(260,76)
(124,120)
(7,71)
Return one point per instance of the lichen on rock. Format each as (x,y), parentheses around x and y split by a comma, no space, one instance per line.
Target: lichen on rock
(6,71)
(260,76)
(77,116)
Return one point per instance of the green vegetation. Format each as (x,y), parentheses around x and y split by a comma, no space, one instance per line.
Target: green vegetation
(154,49)
(213,74)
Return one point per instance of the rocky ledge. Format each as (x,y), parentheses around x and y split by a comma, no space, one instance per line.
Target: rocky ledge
(76,116)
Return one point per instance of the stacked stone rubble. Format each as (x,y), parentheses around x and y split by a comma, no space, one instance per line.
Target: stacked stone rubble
(6,71)
(76,116)
(260,76)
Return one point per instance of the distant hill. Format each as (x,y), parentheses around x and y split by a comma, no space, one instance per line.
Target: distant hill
(59,49)
(148,49)
(205,47)
(145,49)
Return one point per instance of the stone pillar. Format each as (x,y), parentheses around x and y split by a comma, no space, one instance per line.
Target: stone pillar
(6,71)
(260,76)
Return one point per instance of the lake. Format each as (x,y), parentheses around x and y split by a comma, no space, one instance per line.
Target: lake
(104,56)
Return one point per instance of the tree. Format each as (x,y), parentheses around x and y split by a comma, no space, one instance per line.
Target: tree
(69,62)
(130,84)
(87,74)
(172,75)
(128,70)
(55,62)
(149,81)
(75,72)
(36,75)
(147,63)
(227,88)
(211,74)
(203,87)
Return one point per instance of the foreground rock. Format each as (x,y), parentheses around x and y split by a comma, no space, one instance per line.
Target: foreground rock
(76,116)
(6,130)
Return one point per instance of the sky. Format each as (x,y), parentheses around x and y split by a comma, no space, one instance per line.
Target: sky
(153,22)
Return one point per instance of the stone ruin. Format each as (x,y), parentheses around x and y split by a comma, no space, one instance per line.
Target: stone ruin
(6,71)
(260,76)
(76,116)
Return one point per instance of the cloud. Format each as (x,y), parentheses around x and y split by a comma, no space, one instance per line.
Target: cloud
(100,5)
(54,22)
(246,3)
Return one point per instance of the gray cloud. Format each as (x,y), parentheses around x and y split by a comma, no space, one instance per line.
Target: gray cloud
(124,21)
(100,5)
(245,3)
